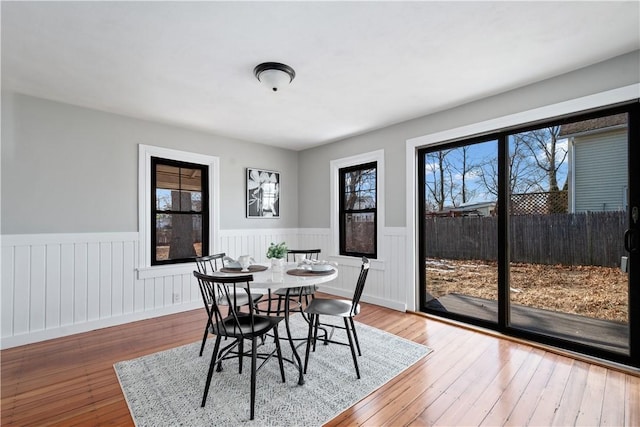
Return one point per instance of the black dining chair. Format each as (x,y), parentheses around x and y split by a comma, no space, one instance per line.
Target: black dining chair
(239,326)
(337,308)
(299,292)
(207,265)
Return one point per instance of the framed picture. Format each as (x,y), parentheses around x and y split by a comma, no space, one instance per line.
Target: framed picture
(263,193)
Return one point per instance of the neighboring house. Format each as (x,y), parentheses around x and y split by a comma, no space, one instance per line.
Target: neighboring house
(597,164)
(469,209)
(476,209)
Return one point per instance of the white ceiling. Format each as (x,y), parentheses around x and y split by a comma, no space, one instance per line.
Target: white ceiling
(360,65)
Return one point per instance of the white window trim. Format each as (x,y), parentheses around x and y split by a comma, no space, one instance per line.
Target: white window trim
(336,165)
(145,152)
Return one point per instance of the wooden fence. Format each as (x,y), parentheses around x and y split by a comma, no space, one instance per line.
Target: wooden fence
(594,238)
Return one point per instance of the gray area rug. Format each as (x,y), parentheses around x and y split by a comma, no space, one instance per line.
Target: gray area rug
(165,388)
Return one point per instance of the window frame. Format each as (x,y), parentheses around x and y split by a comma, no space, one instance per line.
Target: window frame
(204,212)
(343,212)
(145,152)
(345,162)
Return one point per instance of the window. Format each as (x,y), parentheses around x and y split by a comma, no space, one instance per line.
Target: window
(148,267)
(179,214)
(358,208)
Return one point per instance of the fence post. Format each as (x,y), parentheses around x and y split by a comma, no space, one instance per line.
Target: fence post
(589,238)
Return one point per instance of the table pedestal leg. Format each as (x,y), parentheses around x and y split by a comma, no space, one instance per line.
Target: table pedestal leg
(293,346)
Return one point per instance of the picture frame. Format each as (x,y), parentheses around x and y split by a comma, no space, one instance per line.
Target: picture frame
(262,193)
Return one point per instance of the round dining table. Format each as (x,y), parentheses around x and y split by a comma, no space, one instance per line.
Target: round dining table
(288,277)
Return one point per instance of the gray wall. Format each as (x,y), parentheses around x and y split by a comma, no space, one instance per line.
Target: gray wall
(314,204)
(68,169)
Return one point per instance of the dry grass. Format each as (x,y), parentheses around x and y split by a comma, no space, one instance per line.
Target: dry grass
(597,292)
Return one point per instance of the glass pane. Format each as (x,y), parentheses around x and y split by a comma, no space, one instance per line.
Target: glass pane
(360,189)
(360,233)
(461,230)
(167,177)
(163,236)
(366,179)
(568,213)
(178,189)
(190,179)
(196,201)
(163,199)
(178,236)
(182,201)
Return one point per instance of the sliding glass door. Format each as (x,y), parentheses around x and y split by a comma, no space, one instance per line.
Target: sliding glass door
(567,270)
(533,232)
(459,230)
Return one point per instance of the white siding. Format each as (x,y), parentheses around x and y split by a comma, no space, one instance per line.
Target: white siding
(600,172)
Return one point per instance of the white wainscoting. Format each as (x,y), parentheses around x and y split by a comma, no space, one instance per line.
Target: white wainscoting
(388,282)
(255,241)
(55,285)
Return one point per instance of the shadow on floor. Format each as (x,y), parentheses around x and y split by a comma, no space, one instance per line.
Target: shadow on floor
(605,334)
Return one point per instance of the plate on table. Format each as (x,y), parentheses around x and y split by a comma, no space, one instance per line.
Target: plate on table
(319,268)
(307,272)
(252,269)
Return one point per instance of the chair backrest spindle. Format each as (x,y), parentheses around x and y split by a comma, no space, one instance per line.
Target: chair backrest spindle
(308,254)
(362,278)
(228,288)
(209,264)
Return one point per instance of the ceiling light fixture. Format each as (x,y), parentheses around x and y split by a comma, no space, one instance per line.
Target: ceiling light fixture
(274,74)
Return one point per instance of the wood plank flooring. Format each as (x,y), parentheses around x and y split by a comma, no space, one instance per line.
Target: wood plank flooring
(470,379)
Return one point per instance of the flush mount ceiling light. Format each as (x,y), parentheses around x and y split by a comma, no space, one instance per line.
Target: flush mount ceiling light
(274,74)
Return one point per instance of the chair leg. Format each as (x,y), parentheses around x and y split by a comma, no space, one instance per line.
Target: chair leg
(309,341)
(254,356)
(240,355)
(355,335)
(204,337)
(351,346)
(210,373)
(277,340)
(315,332)
(269,303)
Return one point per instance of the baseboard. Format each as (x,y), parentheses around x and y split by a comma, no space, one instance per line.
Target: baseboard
(394,305)
(63,331)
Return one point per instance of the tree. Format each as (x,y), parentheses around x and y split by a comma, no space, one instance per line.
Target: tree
(525,176)
(465,168)
(549,156)
(181,245)
(447,176)
(546,152)
(435,179)
(359,187)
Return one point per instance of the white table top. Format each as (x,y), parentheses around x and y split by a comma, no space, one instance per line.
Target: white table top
(269,279)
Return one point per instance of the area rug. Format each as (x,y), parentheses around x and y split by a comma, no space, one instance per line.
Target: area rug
(165,388)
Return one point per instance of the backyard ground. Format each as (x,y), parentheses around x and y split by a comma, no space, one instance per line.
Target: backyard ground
(597,292)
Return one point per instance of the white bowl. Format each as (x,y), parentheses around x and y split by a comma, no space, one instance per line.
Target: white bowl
(321,267)
(233,264)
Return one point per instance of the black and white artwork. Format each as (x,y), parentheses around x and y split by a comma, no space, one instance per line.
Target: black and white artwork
(263,193)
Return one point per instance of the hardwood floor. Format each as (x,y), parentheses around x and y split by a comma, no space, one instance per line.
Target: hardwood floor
(469,379)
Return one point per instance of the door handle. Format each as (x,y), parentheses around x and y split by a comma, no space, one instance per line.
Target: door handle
(630,241)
